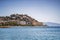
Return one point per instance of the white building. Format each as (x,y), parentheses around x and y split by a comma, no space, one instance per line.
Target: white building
(23,22)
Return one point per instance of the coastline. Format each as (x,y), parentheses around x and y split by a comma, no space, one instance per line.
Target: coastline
(5,26)
(20,26)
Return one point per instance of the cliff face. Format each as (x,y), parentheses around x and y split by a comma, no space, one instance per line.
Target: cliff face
(37,23)
(19,19)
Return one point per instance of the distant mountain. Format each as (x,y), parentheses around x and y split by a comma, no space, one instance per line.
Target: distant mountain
(51,24)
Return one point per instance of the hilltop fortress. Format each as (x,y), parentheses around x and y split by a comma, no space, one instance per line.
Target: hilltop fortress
(19,20)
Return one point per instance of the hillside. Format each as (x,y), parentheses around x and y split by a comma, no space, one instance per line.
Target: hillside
(19,20)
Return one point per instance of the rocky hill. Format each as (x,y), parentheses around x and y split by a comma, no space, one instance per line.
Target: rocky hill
(19,20)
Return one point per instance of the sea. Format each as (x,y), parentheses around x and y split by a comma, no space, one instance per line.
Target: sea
(30,33)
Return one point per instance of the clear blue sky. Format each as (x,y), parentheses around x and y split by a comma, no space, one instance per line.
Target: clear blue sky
(41,10)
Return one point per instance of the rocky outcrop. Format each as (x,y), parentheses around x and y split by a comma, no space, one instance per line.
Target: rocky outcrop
(20,20)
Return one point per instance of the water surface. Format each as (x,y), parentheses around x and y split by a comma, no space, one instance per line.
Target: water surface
(30,33)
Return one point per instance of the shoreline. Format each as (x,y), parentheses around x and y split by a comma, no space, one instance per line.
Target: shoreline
(5,26)
(13,26)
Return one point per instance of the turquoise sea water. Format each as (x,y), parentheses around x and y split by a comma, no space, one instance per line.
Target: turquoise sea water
(29,33)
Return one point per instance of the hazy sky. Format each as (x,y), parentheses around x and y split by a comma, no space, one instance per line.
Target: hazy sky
(41,10)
